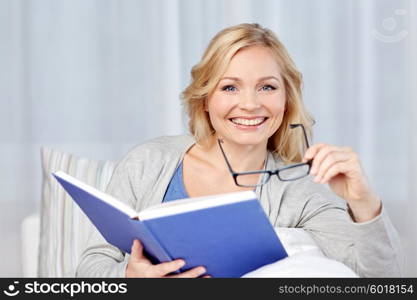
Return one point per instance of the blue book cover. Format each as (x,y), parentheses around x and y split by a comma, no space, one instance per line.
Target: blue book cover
(229,234)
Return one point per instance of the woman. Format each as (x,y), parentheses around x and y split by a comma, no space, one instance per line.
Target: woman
(244,97)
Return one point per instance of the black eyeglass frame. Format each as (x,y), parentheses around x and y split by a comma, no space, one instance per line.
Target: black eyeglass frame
(269,172)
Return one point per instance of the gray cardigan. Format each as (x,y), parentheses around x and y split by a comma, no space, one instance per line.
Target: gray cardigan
(371,249)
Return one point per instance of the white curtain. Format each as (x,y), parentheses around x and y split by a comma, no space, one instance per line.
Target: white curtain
(96,77)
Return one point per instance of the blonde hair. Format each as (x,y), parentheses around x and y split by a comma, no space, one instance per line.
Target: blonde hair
(285,142)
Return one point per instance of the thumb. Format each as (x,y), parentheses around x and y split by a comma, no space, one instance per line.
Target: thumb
(136,253)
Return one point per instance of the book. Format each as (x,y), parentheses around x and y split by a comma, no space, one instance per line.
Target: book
(229,234)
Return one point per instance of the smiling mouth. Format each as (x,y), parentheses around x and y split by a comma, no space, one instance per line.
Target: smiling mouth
(248,122)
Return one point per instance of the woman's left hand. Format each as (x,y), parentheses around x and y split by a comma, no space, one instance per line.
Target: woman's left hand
(341,169)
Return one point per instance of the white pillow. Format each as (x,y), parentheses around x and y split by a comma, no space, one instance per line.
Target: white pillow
(64,227)
(305,259)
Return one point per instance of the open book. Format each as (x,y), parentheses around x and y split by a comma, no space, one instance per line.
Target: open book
(229,234)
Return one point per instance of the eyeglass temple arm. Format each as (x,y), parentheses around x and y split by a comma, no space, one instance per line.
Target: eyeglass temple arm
(224,156)
(304,132)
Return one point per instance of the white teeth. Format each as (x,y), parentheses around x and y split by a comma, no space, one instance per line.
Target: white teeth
(247,122)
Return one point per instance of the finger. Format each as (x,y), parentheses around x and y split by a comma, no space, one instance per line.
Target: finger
(311,152)
(336,169)
(136,252)
(331,159)
(193,273)
(320,156)
(165,268)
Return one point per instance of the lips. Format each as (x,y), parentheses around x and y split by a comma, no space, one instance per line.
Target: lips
(253,121)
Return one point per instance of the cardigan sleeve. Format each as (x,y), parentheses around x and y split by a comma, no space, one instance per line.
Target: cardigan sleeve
(371,249)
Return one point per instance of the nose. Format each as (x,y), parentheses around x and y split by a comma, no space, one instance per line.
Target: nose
(249,101)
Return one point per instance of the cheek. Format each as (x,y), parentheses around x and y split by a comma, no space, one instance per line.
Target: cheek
(277,107)
(218,106)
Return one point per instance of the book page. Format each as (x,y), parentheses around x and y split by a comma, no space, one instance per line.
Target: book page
(99,194)
(191,204)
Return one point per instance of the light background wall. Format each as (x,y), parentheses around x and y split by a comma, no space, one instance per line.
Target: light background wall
(96,77)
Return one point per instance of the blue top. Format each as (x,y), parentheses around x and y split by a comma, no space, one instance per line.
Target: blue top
(176,189)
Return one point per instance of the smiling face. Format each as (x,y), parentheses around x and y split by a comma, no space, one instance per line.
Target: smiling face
(248,104)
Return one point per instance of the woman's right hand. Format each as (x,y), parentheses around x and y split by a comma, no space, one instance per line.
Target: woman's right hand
(141,267)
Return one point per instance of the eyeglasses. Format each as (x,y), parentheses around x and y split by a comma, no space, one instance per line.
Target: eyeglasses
(287,173)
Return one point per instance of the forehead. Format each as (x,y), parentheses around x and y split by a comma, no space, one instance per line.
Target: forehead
(254,61)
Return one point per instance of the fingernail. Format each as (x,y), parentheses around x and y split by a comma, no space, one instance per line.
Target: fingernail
(201,270)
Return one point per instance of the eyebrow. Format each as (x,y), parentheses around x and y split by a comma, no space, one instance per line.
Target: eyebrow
(260,79)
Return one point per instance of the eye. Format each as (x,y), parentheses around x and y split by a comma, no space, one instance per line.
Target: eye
(268,88)
(229,88)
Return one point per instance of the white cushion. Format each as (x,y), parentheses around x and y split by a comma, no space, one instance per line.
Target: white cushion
(64,229)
